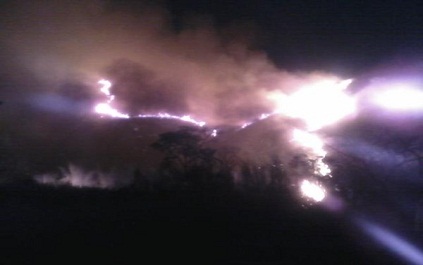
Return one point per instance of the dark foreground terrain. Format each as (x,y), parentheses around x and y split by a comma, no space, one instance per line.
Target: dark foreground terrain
(39,224)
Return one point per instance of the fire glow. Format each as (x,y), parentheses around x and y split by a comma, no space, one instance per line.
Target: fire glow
(309,140)
(401,98)
(106,109)
(318,105)
(313,191)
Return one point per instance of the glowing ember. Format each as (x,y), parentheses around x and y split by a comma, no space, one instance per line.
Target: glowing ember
(263,116)
(245,125)
(188,118)
(185,118)
(322,168)
(312,191)
(400,99)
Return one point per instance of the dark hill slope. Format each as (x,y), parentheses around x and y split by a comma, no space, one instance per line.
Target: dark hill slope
(48,224)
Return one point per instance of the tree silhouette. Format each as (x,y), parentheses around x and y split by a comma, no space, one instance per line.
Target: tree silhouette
(266,177)
(354,177)
(411,148)
(186,155)
(278,174)
(406,143)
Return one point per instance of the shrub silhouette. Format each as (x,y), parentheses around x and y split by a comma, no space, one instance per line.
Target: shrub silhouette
(187,159)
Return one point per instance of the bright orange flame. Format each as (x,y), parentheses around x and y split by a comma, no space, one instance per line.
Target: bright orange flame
(318,105)
(316,146)
(309,140)
(106,109)
(321,167)
(313,191)
(105,89)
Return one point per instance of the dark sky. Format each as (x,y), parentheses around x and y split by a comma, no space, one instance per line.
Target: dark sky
(336,36)
(327,35)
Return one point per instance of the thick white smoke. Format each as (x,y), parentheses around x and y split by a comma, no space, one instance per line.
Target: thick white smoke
(77,177)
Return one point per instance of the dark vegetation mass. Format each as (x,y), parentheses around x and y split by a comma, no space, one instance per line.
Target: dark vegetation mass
(47,224)
(199,207)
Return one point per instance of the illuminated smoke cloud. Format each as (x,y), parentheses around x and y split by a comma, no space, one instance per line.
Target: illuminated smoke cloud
(139,90)
(106,109)
(71,97)
(393,90)
(401,98)
(153,68)
(312,144)
(77,177)
(193,74)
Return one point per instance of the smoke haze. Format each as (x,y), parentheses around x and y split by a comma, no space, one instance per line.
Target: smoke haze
(197,69)
(55,52)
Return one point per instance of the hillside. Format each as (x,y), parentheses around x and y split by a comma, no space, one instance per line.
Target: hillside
(126,226)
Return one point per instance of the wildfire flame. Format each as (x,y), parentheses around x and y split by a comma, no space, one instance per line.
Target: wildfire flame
(318,105)
(106,108)
(310,141)
(313,191)
(105,89)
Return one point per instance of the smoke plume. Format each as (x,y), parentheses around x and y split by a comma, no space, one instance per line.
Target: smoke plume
(54,52)
(197,69)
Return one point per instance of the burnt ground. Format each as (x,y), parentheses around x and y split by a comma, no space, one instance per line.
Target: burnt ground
(48,224)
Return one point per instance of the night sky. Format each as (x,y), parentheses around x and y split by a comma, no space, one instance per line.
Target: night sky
(345,37)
